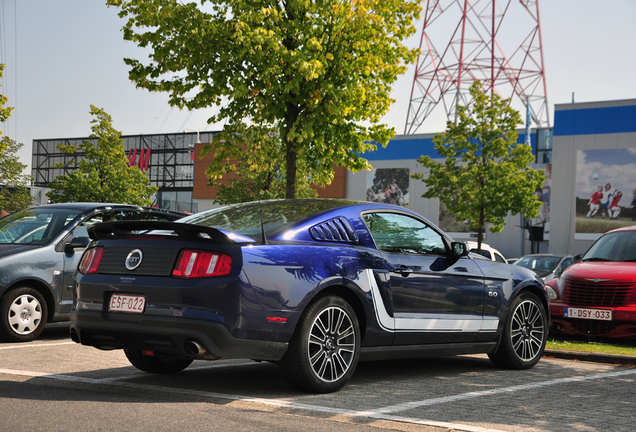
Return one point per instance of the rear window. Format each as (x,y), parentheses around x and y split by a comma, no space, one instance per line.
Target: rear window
(275,216)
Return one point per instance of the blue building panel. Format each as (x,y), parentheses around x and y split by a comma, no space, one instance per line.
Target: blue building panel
(406,148)
(595,121)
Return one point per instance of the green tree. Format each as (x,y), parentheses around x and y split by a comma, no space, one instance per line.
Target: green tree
(486,173)
(102,174)
(14,185)
(321,70)
(254,156)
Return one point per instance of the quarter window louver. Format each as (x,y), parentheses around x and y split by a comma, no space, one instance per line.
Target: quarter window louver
(337,230)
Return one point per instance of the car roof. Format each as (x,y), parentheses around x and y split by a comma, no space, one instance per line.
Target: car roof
(547,255)
(627,228)
(89,206)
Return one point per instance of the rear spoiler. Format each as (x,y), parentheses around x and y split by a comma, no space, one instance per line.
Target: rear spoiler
(105,230)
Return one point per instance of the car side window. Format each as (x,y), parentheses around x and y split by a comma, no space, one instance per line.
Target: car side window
(499,258)
(486,254)
(398,233)
(564,264)
(81,229)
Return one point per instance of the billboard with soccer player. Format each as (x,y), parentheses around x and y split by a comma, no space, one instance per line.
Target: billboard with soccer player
(605,190)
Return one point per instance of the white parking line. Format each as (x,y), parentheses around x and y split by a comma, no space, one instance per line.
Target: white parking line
(35,345)
(270,402)
(455,398)
(379,413)
(191,368)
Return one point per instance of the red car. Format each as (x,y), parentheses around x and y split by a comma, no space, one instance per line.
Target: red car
(597,295)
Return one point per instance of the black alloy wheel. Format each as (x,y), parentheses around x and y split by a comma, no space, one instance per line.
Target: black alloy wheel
(525,334)
(325,348)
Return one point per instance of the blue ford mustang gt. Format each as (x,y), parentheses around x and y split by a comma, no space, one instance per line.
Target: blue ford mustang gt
(314,285)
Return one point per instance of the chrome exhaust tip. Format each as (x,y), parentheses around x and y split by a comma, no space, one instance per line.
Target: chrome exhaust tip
(193,347)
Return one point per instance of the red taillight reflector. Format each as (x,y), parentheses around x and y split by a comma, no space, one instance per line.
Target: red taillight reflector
(277,319)
(195,264)
(91,259)
(147,353)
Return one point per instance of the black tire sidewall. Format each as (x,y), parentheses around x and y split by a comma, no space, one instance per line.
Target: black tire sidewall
(6,331)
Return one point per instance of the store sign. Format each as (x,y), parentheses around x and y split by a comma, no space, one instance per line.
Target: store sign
(144,158)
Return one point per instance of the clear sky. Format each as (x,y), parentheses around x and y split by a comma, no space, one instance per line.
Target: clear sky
(62,56)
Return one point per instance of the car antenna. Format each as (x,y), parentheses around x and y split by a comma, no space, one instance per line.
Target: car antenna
(260,214)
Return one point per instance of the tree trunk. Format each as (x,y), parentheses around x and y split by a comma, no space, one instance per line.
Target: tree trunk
(480,233)
(290,185)
(291,155)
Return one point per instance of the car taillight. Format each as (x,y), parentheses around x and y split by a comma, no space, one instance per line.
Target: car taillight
(196,264)
(90,260)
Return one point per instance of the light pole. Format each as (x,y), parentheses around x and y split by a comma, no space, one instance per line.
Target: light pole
(192,151)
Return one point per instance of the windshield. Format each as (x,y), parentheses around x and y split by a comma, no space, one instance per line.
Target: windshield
(538,263)
(615,246)
(274,215)
(34,226)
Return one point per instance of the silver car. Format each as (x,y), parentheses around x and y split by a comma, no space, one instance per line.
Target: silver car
(40,248)
(546,266)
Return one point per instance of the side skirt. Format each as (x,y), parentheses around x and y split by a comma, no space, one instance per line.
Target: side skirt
(417,351)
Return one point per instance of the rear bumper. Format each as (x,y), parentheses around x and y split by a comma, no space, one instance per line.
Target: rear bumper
(168,335)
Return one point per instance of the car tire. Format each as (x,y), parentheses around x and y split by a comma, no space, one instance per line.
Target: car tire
(325,347)
(23,313)
(158,363)
(524,335)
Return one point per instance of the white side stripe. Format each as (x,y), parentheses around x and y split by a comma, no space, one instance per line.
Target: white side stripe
(427,322)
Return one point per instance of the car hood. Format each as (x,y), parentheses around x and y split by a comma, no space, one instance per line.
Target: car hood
(12,249)
(542,273)
(608,270)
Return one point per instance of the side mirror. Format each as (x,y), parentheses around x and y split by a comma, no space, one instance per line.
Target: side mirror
(460,249)
(576,258)
(76,243)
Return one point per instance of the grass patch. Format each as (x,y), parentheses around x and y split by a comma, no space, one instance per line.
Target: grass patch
(598,225)
(604,347)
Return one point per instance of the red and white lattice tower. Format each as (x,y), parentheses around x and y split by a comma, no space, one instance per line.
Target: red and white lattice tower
(496,42)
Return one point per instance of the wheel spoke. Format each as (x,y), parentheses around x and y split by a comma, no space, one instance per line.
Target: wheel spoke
(342,364)
(318,357)
(316,340)
(345,333)
(516,342)
(338,322)
(321,328)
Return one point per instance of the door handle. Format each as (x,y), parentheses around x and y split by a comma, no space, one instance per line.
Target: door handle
(403,270)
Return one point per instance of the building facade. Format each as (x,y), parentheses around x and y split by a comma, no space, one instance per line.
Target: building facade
(592,145)
(167,159)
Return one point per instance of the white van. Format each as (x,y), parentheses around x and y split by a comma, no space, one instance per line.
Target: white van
(487,251)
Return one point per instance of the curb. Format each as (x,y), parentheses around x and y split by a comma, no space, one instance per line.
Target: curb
(591,357)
